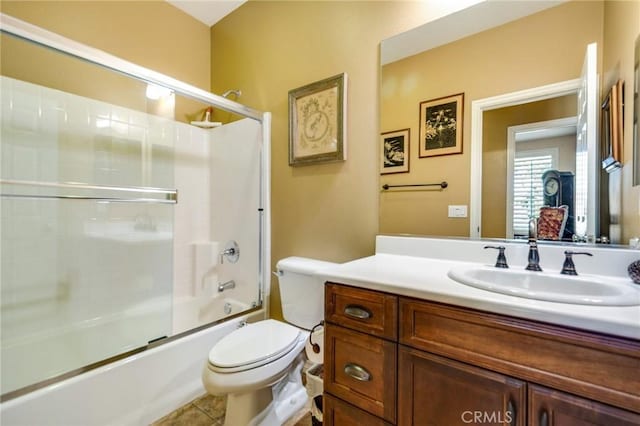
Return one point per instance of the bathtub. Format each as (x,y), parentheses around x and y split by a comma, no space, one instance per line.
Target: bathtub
(192,312)
(30,356)
(136,390)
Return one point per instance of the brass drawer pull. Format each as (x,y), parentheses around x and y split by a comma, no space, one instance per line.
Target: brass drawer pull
(358,312)
(357,372)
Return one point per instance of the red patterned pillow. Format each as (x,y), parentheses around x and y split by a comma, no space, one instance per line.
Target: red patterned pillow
(551,222)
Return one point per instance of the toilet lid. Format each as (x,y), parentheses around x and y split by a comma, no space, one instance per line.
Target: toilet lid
(253,344)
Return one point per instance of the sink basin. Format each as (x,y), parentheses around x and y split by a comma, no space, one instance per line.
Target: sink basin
(553,287)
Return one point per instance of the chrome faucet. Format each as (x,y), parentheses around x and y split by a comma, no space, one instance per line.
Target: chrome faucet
(225,286)
(534,257)
(231,252)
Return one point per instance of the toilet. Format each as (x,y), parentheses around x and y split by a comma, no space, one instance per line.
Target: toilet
(258,366)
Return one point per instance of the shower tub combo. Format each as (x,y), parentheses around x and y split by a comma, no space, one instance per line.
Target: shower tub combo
(127,214)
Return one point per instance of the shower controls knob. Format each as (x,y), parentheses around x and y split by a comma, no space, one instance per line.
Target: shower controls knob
(231,252)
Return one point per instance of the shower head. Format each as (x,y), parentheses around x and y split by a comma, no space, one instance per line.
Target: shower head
(236,92)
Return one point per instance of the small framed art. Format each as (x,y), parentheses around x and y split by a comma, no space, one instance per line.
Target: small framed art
(394,152)
(317,125)
(441,126)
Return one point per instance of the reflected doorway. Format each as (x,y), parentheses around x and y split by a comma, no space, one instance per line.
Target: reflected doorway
(541,175)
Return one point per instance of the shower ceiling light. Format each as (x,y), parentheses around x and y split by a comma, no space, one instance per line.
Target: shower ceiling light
(155,92)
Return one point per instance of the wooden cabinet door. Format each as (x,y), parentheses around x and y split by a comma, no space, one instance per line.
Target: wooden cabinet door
(437,391)
(549,407)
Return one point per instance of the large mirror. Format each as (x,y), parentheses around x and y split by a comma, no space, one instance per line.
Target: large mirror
(520,66)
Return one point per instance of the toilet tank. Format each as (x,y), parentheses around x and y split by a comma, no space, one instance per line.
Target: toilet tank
(301,293)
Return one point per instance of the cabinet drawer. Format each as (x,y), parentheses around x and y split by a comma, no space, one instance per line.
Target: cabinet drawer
(361,369)
(338,413)
(368,311)
(566,359)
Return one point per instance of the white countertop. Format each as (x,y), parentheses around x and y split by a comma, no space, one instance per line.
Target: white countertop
(426,278)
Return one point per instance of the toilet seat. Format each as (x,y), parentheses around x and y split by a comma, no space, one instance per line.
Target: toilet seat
(252,346)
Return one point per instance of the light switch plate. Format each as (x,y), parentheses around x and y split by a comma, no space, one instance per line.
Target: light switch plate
(457,211)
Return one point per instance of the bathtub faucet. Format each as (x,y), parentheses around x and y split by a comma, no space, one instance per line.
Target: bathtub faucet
(225,286)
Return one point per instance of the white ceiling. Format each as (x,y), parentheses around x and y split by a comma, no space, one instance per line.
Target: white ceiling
(469,20)
(207,11)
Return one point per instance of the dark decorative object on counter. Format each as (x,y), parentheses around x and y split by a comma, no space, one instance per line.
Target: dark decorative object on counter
(634,271)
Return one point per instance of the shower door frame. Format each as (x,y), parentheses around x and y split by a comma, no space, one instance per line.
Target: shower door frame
(40,36)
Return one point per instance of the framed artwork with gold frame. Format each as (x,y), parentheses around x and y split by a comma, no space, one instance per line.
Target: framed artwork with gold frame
(441,126)
(317,122)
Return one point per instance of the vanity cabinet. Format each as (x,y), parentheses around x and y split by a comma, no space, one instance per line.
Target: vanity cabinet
(361,350)
(399,360)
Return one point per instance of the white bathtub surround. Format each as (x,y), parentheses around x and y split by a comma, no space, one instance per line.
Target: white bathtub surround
(418,267)
(205,259)
(224,161)
(134,391)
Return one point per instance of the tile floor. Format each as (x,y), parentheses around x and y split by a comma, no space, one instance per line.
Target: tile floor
(208,410)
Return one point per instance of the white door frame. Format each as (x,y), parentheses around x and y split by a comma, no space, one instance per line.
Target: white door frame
(478,107)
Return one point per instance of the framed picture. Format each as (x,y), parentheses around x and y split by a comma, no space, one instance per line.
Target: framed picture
(317,126)
(612,132)
(394,150)
(441,126)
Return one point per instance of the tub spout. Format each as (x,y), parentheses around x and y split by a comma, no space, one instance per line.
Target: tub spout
(225,286)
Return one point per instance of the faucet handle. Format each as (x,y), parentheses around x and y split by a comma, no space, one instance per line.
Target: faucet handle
(533,229)
(501,261)
(231,252)
(568,268)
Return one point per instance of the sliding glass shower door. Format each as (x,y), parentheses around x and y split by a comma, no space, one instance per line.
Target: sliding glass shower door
(86,232)
(115,205)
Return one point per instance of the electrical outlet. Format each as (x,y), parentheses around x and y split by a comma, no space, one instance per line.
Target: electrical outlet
(457,211)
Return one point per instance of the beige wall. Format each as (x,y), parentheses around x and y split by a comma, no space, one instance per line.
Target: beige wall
(494,154)
(36,64)
(327,211)
(540,49)
(622,27)
(566,146)
(153,34)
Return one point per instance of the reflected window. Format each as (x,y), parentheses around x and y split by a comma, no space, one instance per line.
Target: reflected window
(527,186)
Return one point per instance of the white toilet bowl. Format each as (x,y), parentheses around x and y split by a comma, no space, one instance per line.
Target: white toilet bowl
(259,365)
